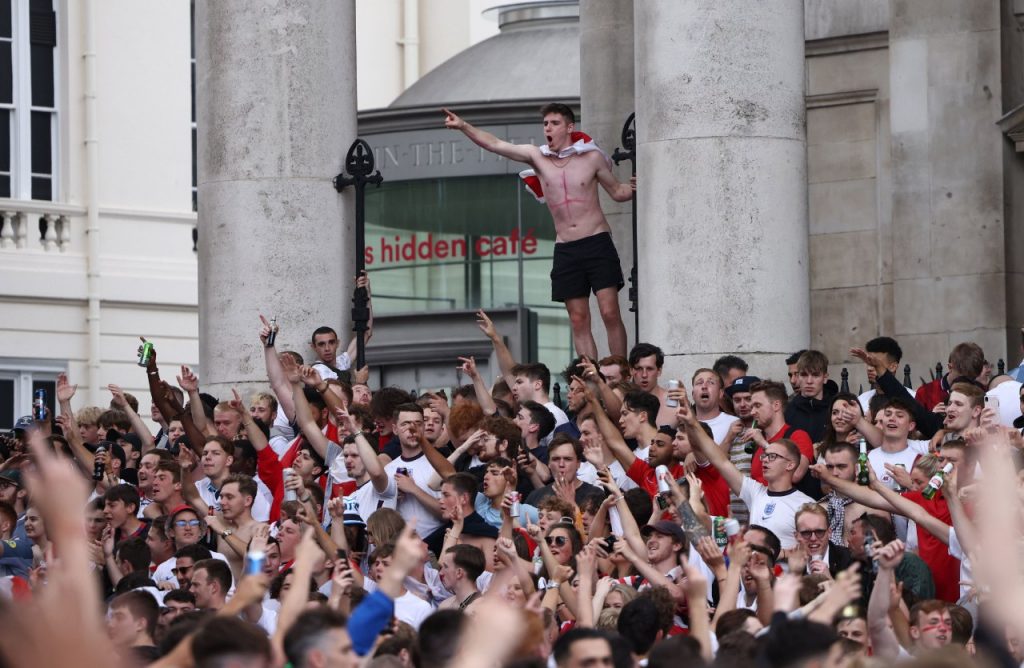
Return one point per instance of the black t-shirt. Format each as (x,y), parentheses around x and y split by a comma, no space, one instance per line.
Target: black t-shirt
(472,525)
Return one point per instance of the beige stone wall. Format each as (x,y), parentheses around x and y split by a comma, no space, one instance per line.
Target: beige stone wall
(912,185)
(848,182)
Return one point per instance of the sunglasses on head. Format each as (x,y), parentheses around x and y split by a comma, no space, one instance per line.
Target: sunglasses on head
(557,541)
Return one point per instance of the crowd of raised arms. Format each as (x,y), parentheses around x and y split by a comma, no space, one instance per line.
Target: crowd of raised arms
(722,519)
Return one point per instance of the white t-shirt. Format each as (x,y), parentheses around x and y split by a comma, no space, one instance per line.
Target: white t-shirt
(1008,394)
(409,506)
(342,362)
(720,425)
(774,510)
(412,609)
(281,433)
(866,397)
(366,500)
(956,551)
(878,458)
(260,504)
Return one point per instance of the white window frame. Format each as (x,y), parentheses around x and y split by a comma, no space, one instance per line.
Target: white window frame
(24,373)
(21,110)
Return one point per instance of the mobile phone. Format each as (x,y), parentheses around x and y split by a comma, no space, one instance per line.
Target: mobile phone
(992,402)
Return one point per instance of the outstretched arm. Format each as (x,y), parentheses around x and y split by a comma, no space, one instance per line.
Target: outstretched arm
(307,424)
(276,373)
(910,510)
(138,426)
(859,493)
(483,394)
(518,152)
(378,477)
(706,446)
(505,360)
(189,383)
(612,436)
(883,639)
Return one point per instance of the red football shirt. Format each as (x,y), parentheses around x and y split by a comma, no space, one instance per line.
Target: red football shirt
(798,436)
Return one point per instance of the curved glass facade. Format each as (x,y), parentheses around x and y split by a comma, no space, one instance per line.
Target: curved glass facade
(440,244)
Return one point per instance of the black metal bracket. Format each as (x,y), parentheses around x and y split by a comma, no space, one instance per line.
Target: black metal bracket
(359,163)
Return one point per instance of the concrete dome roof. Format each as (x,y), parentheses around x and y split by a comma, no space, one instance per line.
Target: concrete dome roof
(535,56)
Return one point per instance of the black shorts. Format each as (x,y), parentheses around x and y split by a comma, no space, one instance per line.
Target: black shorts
(584,266)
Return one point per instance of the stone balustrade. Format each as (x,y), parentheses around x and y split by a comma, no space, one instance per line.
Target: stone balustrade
(37,226)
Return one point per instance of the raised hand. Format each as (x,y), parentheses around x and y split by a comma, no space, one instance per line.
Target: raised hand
(237,402)
(564,489)
(151,366)
(871,359)
(483,322)
(506,550)
(188,381)
(594,454)
(451,121)
(898,473)
(117,395)
(260,536)
(890,556)
(310,376)
(709,551)
(336,507)
(65,390)
(363,281)
(290,368)
(685,416)
(469,367)
(265,328)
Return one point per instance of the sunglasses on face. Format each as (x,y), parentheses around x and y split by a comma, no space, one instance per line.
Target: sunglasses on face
(812,533)
(186,523)
(556,541)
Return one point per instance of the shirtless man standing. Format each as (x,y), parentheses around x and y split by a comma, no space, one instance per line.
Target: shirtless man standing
(585,258)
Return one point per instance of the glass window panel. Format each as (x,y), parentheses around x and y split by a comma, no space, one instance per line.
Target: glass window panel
(5,140)
(5,185)
(42,76)
(5,18)
(442,244)
(41,142)
(42,188)
(7,417)
(193,91)
(6,73)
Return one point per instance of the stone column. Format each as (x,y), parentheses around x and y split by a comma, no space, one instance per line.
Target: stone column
(606,100)
(722,181)
(949,281)
(276,111)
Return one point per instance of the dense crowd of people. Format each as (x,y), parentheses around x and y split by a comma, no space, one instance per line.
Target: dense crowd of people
(723,519)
